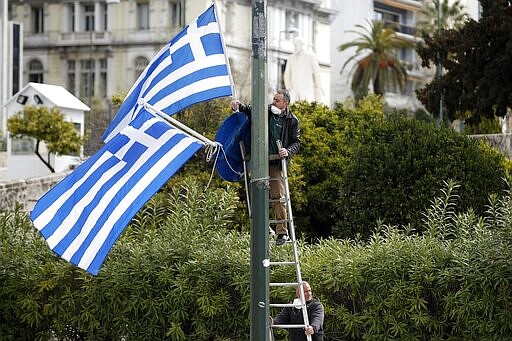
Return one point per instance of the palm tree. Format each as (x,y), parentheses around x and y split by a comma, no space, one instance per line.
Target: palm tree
(376,59)
(441,15)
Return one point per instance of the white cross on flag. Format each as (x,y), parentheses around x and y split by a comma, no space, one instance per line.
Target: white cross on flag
(84,214)
(190,69)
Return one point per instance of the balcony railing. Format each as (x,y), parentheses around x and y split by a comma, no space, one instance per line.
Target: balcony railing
(405,29)
(80,38)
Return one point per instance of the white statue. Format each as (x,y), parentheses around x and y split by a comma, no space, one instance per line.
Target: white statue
(302,75)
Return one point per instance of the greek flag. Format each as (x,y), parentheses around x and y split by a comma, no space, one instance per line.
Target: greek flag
(190,69)
(83,215)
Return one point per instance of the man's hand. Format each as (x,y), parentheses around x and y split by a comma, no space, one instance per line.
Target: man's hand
(235,104)
(309,330)
(283,153)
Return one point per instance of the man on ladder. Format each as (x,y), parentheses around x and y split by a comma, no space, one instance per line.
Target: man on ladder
(294,316)
(283,126)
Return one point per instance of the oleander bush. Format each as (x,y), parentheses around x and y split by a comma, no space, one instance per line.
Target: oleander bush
(450,283)
(181,272)
(176,273)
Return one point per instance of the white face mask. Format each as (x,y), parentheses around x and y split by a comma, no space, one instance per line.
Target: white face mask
(275,110)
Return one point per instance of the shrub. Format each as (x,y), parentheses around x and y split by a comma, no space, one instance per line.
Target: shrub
(177,273)
(397,167)
(451,283)
(327,143)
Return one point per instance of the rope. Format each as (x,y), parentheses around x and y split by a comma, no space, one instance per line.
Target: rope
(212,150)
(264,179)
(209,152)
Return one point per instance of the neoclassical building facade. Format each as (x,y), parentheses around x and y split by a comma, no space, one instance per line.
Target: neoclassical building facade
(97,49)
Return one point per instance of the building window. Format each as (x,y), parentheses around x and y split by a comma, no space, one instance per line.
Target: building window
(71,17)
(103,78)
(394,18)
(35,72)
(387,17)
(89,17)
(90,82)
(140,65)
(175,13)
(16,71)
(105,17)
(143,15)
(71,77)
(37,20)
(281,65)
(23,146)
(230,16)
(291,24)
(86,78)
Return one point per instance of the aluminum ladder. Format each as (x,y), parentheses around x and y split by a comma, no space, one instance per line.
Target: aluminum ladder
(292,241)
(295,261)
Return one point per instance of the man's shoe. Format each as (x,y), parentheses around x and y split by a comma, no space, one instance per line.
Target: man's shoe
(281,239)
(271,232)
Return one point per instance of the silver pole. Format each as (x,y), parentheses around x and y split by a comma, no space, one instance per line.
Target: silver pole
(4,53)
(177,124)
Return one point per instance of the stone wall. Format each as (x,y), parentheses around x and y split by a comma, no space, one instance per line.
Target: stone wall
(3,165)
(502,142)
(26,192)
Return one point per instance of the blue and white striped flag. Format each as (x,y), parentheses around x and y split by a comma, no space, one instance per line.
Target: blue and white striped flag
(190,69)
(83,215)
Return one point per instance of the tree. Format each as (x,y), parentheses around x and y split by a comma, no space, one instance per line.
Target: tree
(477,60)
(375,59)
(46,125)
(441,14)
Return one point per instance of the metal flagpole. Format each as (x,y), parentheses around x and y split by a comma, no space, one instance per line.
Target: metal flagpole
(225,50)
(259,183)
(439,69)
(177,124)
(4,55)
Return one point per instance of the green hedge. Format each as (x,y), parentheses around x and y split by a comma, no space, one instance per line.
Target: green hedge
(181,272)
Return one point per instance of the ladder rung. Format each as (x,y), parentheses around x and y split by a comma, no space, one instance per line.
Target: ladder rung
(284,305)
(283,263)
(277,221)
(288,326)
(283,200)
(283,284)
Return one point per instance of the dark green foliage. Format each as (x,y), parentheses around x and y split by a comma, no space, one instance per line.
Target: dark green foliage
(326,146)
(206,117)
(177,273)
(452,283)
(477,64)
(397,167)
(485,126)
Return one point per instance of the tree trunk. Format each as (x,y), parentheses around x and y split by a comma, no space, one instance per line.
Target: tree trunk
(377,87)
(47,163)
